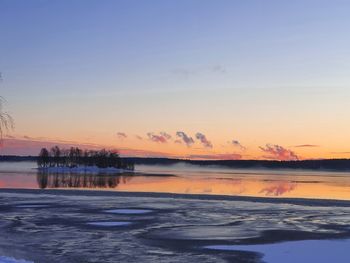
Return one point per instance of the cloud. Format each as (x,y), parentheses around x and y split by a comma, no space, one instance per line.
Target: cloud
(237,144)
(122,135)
(178,141)
(32,147)
(139,137)
(166,135)
(225,156)
(157,138)
(277,152)
(306,146)
(219,69)
(203,139)
(184,73)
(186,139)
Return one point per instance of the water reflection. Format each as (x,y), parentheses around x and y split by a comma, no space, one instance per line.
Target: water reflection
(59,180)
(256,183)
(279,189)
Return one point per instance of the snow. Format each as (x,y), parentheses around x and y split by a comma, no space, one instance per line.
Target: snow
(13,260)
(129,211)
(114,223)
(320,251)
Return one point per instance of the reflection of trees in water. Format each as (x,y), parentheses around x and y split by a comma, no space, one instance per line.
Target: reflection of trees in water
(59,180)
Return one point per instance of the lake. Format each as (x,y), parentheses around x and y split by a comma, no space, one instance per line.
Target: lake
(188,179)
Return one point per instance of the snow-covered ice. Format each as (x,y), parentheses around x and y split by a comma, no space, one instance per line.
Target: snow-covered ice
(306,251)
(114,223)
(129,211)
(13,260)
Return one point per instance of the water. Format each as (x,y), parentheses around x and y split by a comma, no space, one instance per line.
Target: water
(189,179)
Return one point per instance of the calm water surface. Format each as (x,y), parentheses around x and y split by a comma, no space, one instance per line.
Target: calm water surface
(188,179)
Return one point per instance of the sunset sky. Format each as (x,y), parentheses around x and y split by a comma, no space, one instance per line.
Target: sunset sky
(188,78)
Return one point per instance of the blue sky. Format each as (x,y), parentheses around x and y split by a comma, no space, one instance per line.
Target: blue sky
(178,65)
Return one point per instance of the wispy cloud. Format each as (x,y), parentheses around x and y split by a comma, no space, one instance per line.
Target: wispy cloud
(219,69)
(237,144)
(209,69)
(183,73)
(306,146)
(277,152)
(228,156)
(185,138)
(159,138)
(203,139)
(122,135)
(166,135)
(138,137)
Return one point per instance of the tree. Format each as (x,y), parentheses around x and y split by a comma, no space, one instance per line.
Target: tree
(43,159)
(6,121)
(56,155)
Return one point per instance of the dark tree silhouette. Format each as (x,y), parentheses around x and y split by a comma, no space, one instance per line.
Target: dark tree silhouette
(6,121)
(43,158)
(75,157)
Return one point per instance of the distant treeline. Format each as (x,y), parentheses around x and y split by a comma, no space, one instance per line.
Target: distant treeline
(326,164)
(74,157)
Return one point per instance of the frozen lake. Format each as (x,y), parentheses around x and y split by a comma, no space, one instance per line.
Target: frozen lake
(188,179)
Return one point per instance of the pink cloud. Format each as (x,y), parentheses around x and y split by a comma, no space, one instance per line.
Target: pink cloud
(166,135)
(237,144)
(277,152)
(185,138)
(157,138)
(122,135)
(203,139)
(227,156)
(306,146)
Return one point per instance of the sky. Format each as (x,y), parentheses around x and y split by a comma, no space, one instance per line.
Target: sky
(200,79)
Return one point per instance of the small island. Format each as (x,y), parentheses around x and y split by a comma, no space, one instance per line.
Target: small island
(76,160)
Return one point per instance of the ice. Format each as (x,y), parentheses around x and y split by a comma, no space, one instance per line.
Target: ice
(129,211)
(114,223)
(13,260)
(320,251)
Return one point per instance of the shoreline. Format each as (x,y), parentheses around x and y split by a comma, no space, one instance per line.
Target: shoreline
(107,193)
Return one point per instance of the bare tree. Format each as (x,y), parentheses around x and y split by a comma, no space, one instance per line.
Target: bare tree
(6,121)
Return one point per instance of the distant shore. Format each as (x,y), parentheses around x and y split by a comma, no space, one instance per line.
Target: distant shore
(316,165)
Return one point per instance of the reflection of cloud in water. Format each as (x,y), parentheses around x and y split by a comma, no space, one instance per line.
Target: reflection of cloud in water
(48,180)
(279,189)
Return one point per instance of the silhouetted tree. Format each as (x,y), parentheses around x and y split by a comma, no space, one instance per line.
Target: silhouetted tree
(74,157)
(43,158)
(6,121)
(56,155)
